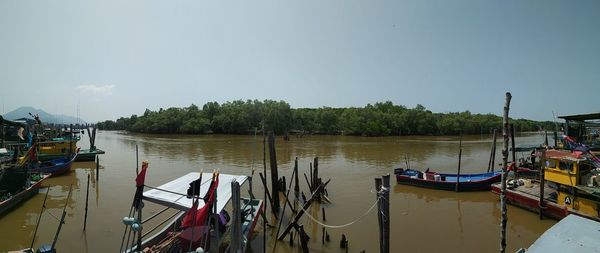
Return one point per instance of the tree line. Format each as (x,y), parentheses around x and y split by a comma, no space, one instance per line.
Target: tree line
(379,119)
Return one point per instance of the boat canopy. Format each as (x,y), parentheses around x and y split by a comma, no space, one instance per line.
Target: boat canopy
(581,117)
(571,234)
(173,193)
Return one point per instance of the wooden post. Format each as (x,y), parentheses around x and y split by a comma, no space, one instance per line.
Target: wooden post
(546,138)
(542,179)
(378,186)
(62,219)
(303,239)
(512,142)
(492,154)
(287,196)
(37,224)
(555,139)
(137,162)
(386,213)
(265,186)
(274,174)
(267,194)
(459,159)
(296,181)
(504,217)
(315,180)
(323,236)
(97,168)
(70,140)
(236,231)
(3,135)
(323,212)
(87,196)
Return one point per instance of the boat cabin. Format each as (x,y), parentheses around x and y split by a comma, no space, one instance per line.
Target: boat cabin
(577,181)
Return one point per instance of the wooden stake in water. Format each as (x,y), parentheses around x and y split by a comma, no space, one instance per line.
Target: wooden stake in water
(504,217)
(459,159)
(37,224)
(62,218)
(87,197)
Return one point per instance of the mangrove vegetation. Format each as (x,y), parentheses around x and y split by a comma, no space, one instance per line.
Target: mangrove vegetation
(379,119)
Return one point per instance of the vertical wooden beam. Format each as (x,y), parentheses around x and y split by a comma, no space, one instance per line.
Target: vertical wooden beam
(542,179)
(459,160)
(296,181)
(378,186)
(236,224)
(386,213)
(492,154)
(87,197)
(274,173)
(504,217)
(512,143)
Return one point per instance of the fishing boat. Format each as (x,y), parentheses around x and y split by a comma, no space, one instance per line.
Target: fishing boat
(18,185)
(571,185)
(55,167)
(55,148)
(88,154)
(444,181)
(194,224)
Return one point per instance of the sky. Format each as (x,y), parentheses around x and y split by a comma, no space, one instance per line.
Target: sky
(117,58)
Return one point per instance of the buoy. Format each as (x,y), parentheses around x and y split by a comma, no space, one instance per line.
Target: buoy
(136,226)
(128,220)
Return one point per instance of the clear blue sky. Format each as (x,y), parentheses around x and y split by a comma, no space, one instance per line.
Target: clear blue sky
(119,57)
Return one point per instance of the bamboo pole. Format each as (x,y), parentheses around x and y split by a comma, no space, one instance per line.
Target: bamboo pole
(503,210)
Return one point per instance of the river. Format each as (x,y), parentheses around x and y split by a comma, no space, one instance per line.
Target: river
(422,220)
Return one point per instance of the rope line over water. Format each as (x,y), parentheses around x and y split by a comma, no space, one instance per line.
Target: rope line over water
(343,225)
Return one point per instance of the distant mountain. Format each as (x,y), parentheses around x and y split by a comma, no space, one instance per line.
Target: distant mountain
(23,112)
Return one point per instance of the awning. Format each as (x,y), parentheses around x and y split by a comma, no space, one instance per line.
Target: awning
(172,194)
(571,234)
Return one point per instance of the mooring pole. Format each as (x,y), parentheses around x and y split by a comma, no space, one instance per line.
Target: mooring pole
(386,213)
(236,238)
(459,159)
(555,139)
(492,153)
(265,186)
(137,162)
(37,224)
(274,173)
(296,181)
(378,186)
(504,217)
(87,196)
(512,142)
(542,179)
(97,168)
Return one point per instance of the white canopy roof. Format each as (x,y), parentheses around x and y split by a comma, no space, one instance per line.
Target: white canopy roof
(571,234)
(180,186)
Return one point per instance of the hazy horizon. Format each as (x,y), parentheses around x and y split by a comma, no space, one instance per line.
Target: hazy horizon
(117,58)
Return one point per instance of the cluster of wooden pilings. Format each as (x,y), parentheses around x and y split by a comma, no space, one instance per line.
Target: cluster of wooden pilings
(301,202)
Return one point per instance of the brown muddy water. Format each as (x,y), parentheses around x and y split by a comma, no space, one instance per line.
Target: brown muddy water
(422,220)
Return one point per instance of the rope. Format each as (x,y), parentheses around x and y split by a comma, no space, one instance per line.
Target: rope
(343,225)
